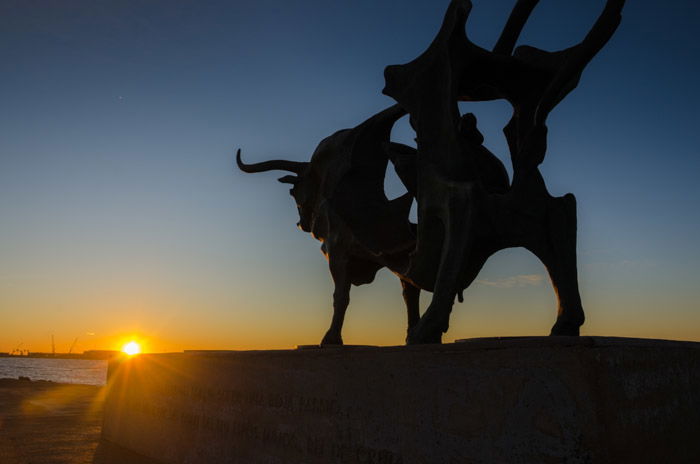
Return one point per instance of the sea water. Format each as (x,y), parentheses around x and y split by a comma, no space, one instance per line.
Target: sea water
(83,371)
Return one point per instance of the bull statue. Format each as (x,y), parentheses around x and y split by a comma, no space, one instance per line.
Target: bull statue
(341,201)
(468,208)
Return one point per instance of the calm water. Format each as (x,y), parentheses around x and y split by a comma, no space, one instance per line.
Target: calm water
(85,371)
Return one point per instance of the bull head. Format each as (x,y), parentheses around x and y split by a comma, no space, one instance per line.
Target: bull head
(302,193)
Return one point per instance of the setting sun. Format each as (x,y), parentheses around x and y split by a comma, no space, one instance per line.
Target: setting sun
(131,348)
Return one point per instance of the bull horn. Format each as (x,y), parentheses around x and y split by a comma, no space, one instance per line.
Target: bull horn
(282,165)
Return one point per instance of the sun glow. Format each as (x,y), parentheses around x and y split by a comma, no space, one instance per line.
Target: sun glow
(131,348)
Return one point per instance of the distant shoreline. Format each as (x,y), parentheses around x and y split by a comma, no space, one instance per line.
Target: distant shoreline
(96,355)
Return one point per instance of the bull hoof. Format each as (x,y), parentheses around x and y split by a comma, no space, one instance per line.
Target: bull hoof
(421,334)
(331,338)
(563,329)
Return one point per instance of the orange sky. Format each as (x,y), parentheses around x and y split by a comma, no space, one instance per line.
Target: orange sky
(123,215)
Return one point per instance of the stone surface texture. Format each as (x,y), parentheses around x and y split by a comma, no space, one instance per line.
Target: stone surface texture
(515,400)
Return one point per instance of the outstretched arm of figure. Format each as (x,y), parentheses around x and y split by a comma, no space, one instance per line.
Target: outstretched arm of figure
(567,77)
(516,21)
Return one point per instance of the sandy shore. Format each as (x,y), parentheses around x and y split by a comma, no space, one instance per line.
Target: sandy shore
(49,423)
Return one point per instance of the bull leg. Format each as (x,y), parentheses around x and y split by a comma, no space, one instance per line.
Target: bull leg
(559,257)
(411,296)
(341,299)
(458,237)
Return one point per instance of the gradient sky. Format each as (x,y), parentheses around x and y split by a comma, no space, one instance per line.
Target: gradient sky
(122,213)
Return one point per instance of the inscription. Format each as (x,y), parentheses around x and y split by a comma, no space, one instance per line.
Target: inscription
(285,401)
(227,428)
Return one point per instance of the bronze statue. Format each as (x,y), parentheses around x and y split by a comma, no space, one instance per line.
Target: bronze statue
(461,221)
(468,209)
(341,202)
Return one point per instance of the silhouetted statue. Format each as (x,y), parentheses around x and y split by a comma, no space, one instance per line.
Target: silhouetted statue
(468,209)
(341,202)
(460,222)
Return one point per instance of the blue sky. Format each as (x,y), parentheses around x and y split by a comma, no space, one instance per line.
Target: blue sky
(122,211)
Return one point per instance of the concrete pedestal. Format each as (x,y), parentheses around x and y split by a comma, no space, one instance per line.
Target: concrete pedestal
(514,400)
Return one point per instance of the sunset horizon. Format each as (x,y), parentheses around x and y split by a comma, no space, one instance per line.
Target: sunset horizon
(358,232)
(124,215)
